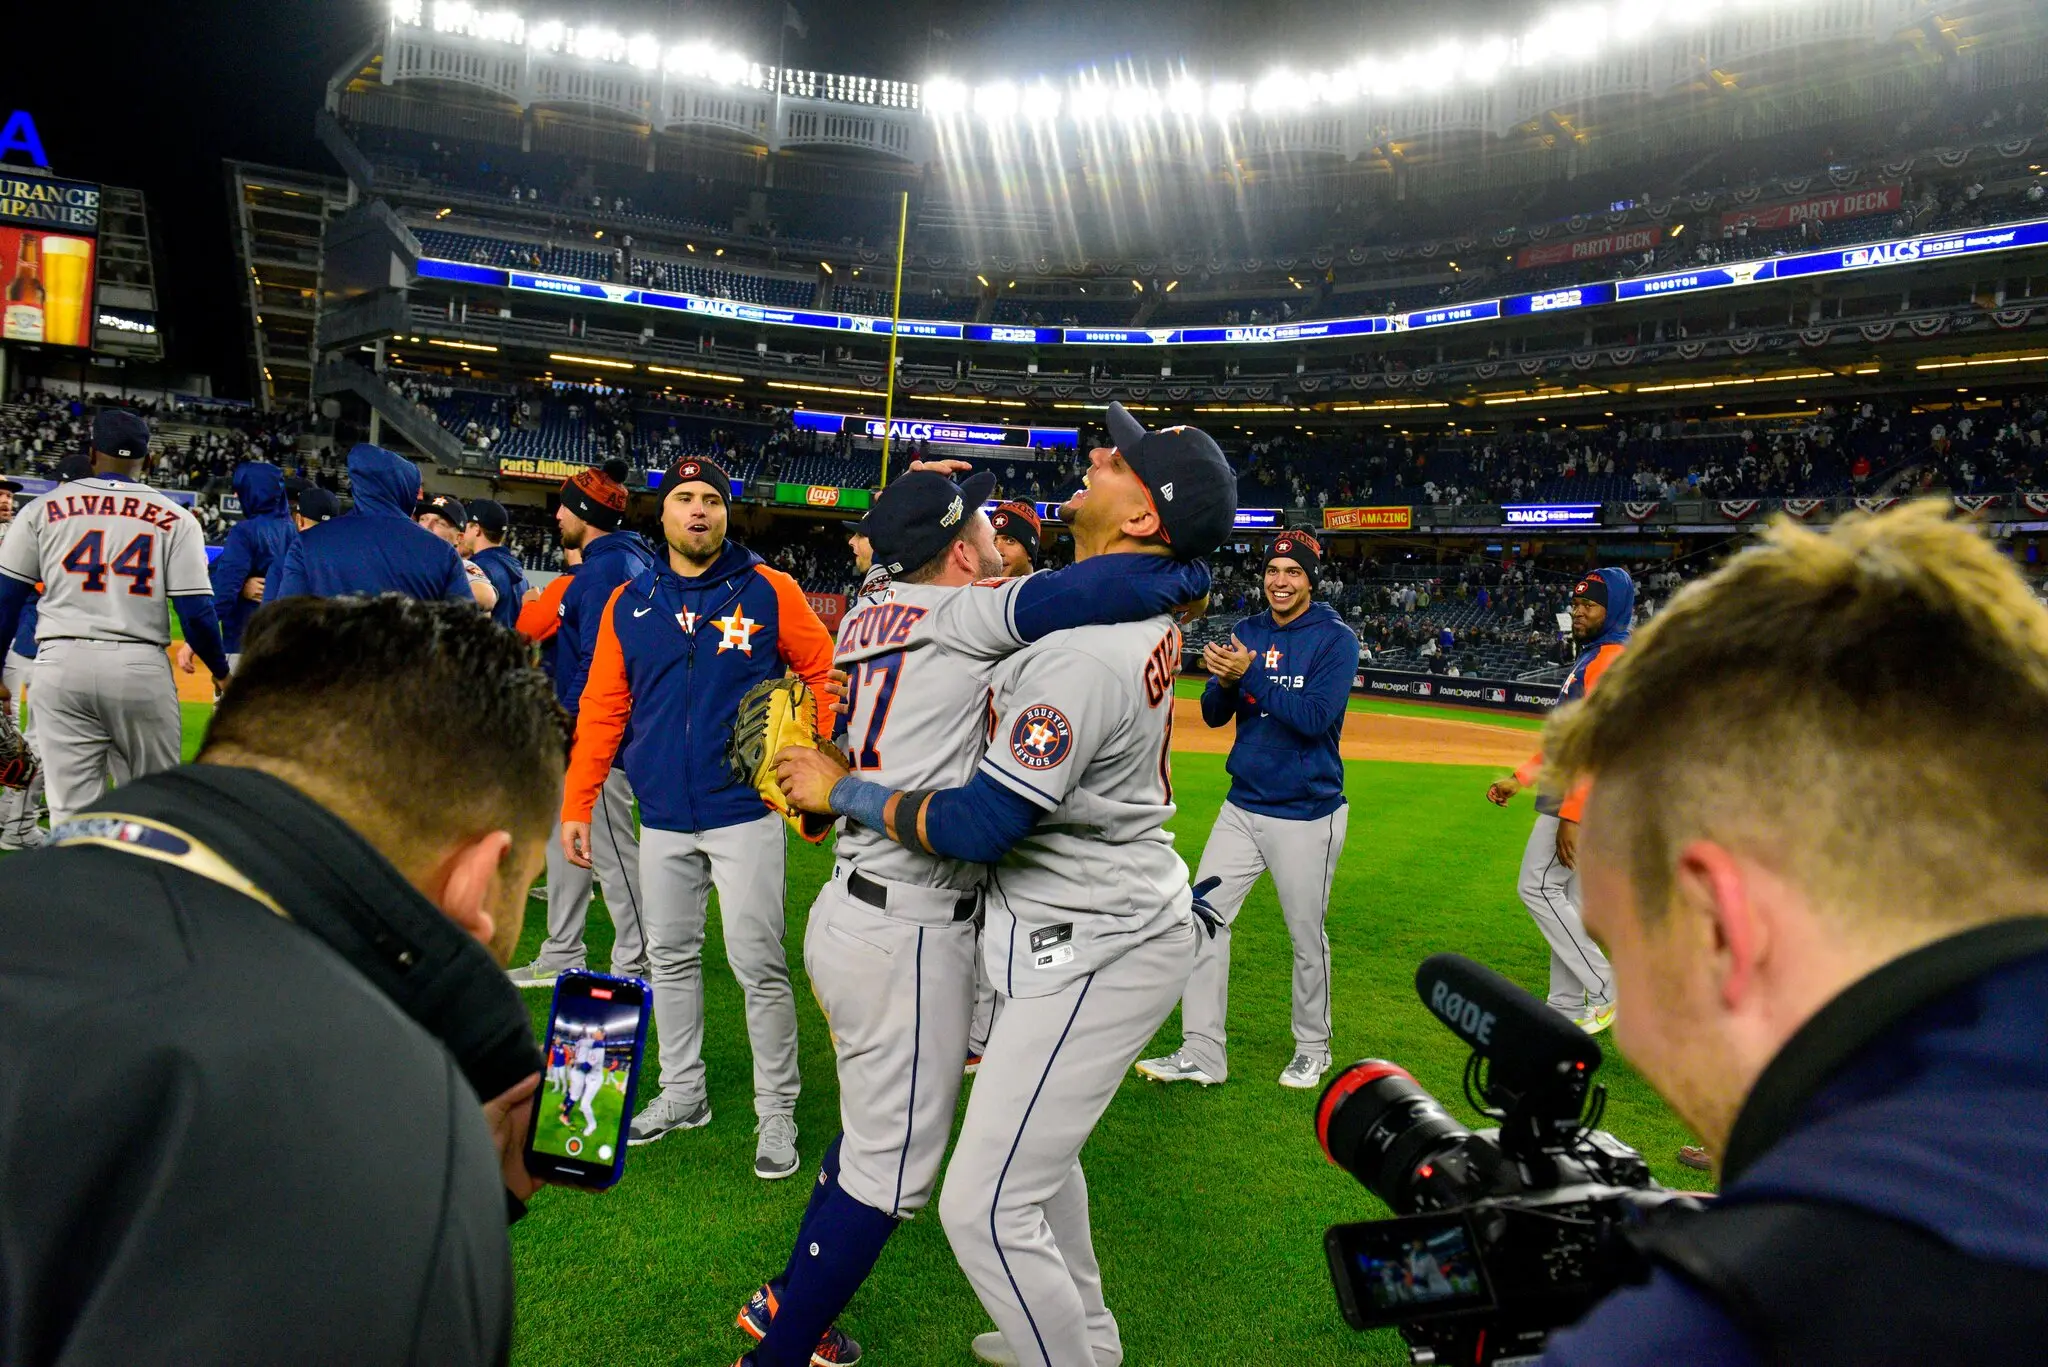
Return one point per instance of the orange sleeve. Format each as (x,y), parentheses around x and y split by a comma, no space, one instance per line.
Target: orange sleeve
(600,719)
(542,618)
(1531,766)
(805,643)
(1573,808)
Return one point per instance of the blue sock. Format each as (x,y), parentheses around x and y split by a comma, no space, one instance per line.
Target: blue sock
(828,1180)
(848,1238)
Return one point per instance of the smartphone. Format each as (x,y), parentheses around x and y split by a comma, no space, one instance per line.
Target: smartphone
(597,1032)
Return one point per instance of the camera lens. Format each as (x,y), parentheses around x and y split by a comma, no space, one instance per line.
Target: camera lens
(1377,1123)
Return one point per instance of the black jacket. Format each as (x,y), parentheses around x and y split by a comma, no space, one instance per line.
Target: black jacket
(226,1137)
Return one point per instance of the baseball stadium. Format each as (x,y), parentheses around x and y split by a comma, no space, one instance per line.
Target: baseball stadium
(1049,534)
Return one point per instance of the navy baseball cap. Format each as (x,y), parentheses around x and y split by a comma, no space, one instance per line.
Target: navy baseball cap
(318,505)
(446,506)
(78,465)
(9,485)
(121,434)
(915,517)
(490,514)
(1192,487)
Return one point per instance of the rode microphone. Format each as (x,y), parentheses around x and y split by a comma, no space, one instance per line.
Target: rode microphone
(1531,1051)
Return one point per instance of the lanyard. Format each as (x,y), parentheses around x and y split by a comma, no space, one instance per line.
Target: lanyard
(148,839)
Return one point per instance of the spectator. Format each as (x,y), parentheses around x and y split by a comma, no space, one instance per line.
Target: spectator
(273,1058)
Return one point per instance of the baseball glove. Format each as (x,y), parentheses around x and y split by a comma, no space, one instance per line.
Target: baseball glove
(18,763)
(776,713)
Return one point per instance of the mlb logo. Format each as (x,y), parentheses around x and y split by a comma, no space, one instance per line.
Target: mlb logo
(1425,688)
(1496,695)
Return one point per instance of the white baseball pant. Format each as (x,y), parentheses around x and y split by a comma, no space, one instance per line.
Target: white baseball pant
(1015,1204)
(1302,857)
(678,870)
(104,710)
(896,985)
(615,858)
(1580,978)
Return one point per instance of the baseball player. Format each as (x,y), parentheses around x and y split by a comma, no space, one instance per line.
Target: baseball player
(19,806)
(482,542)
(1017,534)
(446,518)
(252,548)
(586,1076)
(116,557)
(375,548)
(1581,983)
(890,944)
(1285,679)
(1090,935)
(1017,528)
(600,555)
(676,650)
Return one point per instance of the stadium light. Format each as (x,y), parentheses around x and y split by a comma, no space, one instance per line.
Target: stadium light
(945,97)
(596,44)
(407,12)
(1090,100)
(643,51)
(547,37)
(996,102)
(1134,103)
(1226,98)
(1281,92)
(1184,97)
(1042,103)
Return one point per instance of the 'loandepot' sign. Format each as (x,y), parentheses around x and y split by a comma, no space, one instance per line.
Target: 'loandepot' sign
(823,496)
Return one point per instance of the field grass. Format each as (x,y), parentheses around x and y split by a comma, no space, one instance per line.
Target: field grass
(1208,1206)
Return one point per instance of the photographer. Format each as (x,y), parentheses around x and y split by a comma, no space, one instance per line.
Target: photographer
(1815,853)
(249,1006)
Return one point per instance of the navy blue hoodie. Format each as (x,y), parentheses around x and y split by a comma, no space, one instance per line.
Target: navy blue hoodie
(1289,708)
(609,561)
(508,577)
(377,548)
(255,546)
(1940,1121)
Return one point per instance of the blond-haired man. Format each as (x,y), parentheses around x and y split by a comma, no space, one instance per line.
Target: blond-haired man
(1814,851)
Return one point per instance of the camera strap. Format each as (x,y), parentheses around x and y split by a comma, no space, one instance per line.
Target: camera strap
(1815,1283)
(166,844)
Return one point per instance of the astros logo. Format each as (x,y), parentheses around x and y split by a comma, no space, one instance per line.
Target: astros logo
(687,620)
(689,471)
(1273,657)
(736,633)
(1041,738)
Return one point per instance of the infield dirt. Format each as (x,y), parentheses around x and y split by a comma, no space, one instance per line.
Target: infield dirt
(1376,735)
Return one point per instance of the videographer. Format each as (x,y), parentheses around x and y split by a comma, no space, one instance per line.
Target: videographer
(249,1006)
(1816,852)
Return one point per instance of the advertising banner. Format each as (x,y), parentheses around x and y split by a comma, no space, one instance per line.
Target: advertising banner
(49,287)
(1876,199)
(61,206)
(542,471)
(830,607)
(1588,248)
(1550,514)
(1368,519)
(1505,694)
(822,496)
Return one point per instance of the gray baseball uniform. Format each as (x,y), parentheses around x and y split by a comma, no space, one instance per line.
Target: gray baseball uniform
(615,864)
(111,554)
(1090,943)
(896,981)
(19,807)
(1580,979)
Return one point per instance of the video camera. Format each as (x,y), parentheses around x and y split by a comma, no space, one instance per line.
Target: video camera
(1500,1236)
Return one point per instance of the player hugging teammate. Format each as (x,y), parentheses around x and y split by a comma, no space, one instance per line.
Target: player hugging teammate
(1090,934)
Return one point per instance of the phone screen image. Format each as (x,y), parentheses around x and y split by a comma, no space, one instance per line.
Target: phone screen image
(590,1064)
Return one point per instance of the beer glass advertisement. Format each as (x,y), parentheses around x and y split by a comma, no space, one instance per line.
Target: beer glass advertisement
(49,287)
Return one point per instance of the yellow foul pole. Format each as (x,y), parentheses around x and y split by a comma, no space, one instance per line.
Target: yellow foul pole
(895,323)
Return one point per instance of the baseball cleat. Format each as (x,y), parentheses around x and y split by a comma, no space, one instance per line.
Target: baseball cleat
(664,1114)
(994,1349)
(1305,1071)
(33,838)
(775,1151)
(758,1313)
(834,1348)
(1175,1067)
(1696,1157)
(535,975)
(973,1064)
(1596,1019)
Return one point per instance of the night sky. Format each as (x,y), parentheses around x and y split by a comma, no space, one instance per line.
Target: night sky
(159,93)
